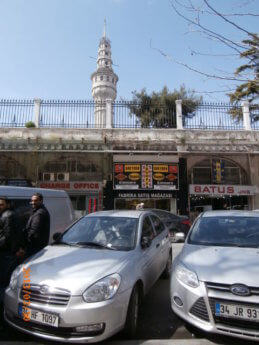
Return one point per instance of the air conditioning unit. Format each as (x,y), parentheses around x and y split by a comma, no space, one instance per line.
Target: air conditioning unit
(62,176)
(48,176)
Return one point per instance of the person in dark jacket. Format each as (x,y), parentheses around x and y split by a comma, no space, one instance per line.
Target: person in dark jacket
(8,247)
(38,226)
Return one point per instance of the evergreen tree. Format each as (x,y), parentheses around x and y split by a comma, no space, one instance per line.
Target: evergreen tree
(158,109)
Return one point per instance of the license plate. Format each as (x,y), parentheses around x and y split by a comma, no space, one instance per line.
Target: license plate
(237,311)
(39,316)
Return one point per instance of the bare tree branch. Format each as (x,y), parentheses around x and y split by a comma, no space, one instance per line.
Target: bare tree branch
(225,40)
(227,20)
(214,76)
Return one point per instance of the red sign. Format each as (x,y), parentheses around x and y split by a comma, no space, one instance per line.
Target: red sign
(72,185)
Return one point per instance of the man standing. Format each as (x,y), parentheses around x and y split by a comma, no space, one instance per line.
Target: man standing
(9,238)
(38,226)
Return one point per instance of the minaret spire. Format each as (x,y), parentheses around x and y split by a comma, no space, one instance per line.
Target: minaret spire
(104,29)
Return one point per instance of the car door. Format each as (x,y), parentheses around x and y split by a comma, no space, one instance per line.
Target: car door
(161,242)
(148,258)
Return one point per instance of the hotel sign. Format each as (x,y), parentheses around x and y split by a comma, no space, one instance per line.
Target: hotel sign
(217,190)
(145,176)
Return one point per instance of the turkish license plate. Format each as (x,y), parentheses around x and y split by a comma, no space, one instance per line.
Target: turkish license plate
(39,316)
(236,311)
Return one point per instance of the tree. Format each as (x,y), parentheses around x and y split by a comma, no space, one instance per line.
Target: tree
(197,15)
(159,108)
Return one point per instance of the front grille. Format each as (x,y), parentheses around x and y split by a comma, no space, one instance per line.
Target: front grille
(54,296)
(64,332)
(199,310)
(226,288)
(232,322)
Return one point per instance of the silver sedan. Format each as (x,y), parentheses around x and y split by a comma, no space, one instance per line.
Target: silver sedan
(88,284)
(214,282)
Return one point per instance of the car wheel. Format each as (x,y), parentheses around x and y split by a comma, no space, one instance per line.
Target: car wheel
(132,314)
(167,271)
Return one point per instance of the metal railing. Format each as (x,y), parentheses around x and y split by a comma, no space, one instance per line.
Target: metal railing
(254,113)
(215,116)
(67,114)
(125,114)
(16,113)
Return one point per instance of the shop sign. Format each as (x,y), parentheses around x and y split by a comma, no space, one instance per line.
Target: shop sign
(202,189)
(145,195)
(71,185)
(145,176)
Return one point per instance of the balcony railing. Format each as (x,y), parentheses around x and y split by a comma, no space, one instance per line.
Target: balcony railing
(124,114)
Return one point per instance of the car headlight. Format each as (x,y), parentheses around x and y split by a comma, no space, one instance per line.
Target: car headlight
(103,289)
(186,276)
(14,278)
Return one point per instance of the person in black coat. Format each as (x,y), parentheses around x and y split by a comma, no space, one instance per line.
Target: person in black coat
(38,226)
(9,244)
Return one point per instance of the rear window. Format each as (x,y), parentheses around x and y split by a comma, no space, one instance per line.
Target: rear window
(226,231)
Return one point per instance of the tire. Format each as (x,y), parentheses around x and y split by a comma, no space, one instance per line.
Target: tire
(167,271)
(131,323)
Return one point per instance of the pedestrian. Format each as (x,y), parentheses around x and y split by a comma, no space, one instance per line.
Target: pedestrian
(37,229)
(8,246)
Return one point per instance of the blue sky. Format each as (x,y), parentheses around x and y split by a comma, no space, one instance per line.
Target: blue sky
(47,45)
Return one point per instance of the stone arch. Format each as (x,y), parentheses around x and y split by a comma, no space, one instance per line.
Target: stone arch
(233,170)
(11,168)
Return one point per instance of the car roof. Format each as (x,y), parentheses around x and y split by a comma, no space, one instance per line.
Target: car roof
(230,213)
(119,213)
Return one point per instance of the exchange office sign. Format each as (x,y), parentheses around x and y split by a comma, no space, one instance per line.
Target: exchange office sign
(216,190)
(145,176)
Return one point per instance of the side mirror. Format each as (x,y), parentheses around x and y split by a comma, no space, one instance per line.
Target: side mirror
(179,236)
(56,236)
(145,242)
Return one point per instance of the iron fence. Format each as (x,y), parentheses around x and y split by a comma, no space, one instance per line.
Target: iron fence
(124,114)
(67,114)
(15,113)
(254,115)
(143,115)
(215,116)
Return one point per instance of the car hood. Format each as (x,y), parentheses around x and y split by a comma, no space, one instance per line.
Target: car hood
(225,265)
(73,268)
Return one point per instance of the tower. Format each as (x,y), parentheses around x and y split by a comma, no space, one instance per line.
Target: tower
(104,80)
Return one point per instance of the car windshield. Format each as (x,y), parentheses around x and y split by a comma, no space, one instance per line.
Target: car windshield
(226,231)
(102,232)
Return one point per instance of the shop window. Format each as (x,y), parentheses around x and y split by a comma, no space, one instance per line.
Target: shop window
(201,175)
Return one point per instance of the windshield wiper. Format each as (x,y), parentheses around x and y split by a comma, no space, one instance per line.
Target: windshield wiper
(93,244)
(61,242)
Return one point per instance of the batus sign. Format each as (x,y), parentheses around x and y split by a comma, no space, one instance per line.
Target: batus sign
(210,189)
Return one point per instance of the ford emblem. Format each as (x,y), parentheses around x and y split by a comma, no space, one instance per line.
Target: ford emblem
(240,290)
(44,289)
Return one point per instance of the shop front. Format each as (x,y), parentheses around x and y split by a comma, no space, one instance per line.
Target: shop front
(86,196)
(218,184)
(152,180)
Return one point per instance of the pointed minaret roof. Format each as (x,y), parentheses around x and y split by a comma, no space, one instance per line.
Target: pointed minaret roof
(104,29)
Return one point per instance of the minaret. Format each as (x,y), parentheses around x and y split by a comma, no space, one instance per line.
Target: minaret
(104,80)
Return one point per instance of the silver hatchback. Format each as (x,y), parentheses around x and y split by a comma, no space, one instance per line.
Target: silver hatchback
(87,285)
(214,282)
